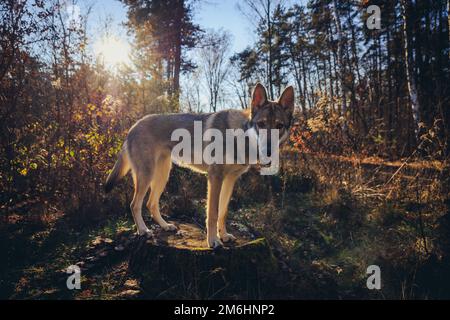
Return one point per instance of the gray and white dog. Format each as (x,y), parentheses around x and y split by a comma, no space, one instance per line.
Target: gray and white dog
(148,153)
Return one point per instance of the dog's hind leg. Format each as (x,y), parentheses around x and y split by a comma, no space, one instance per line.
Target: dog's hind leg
(141,184)
(157,185)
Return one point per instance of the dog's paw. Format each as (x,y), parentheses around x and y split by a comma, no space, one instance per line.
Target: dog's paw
(215,243)
(227,237)
(145,233)
(169,227)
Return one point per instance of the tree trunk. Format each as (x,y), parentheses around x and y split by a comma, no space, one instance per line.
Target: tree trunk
(174,265)
(410,79)
(340,56)
(269,40)
(177,56)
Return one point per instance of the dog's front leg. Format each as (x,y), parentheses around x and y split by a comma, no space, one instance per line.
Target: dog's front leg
(214,186)
(225,195)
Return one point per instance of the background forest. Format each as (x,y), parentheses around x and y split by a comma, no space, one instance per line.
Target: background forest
(365,175)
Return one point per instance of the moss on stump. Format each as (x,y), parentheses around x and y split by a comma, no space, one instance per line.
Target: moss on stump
(180,266)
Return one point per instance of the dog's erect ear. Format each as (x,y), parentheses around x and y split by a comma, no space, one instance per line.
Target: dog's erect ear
(287,99)
(259,97)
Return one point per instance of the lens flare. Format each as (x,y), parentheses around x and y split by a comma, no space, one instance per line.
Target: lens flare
(112,52)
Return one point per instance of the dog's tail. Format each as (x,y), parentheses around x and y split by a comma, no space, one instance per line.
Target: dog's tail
(120,169)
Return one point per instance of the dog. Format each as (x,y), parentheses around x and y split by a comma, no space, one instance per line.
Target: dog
(148,153)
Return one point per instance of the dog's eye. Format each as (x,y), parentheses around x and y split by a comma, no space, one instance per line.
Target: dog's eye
(279,126)
(261,124)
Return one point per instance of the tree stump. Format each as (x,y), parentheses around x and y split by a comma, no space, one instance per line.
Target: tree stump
(181,266)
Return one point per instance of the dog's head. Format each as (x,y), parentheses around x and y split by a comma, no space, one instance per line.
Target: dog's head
(268,115)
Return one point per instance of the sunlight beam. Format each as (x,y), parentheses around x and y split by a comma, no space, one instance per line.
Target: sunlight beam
(112,52)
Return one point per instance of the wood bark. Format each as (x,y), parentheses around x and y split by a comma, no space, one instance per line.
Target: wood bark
(410,79)
(181,264)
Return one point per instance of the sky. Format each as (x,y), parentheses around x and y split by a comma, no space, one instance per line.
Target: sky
(210,14)
(107,20)
(225,14)
(111,15)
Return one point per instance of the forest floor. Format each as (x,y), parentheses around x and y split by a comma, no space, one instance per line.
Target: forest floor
(323,244)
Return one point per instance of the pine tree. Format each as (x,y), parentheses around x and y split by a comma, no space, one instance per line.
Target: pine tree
(164,30)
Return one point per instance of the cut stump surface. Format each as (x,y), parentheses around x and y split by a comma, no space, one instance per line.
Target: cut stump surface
(172,265)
